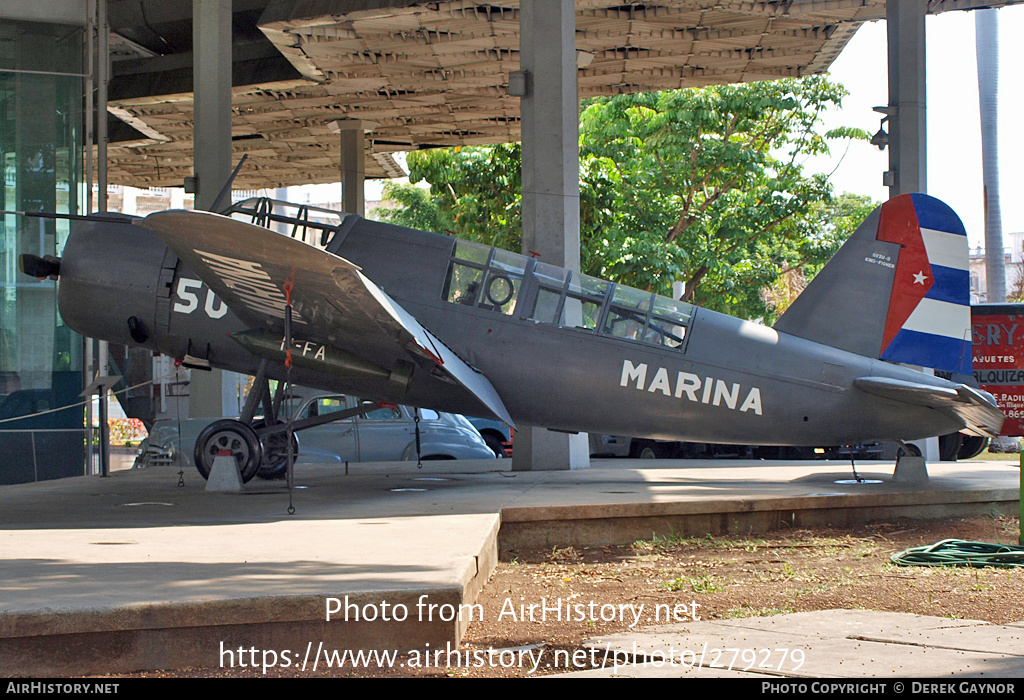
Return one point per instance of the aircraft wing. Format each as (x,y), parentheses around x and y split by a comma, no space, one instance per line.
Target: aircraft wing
(250,267)
(976,409)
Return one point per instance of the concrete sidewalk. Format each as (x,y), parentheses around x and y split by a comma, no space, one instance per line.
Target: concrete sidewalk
(134,571)
(826,644)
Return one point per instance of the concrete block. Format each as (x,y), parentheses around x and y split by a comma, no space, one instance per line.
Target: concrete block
(224,476)
(910,469)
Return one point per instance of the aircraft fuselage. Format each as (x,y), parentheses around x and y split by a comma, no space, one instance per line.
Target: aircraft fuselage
(719,380)
(789,391)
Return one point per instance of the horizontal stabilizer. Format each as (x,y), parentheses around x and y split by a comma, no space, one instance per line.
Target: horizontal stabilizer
(255,271)
(976,409)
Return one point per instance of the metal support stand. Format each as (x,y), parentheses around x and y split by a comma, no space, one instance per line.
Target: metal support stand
(853,466)
(255,397)
(419,448)
(290,431)
(100,386)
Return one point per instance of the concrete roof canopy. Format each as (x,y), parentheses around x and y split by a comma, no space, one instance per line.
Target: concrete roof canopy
(428,74)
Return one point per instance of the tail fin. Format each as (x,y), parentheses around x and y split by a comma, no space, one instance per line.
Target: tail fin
(898,289)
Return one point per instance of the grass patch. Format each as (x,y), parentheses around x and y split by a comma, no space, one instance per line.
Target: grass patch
(697,584)
(751,611)
(997,456)
(672,541)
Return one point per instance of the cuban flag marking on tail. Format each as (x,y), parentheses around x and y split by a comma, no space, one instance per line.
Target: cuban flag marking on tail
(929,317)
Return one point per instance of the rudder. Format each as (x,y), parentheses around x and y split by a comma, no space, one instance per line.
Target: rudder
(898,289)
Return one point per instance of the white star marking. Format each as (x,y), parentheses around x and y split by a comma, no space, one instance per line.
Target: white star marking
(919,278)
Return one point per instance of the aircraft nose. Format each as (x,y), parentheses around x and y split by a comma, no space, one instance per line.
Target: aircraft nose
(109,280)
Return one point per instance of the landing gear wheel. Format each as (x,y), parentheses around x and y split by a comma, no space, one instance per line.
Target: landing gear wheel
(233,436)
(274,464)
(908,449)
(972,446)
(949,446)
(656,450)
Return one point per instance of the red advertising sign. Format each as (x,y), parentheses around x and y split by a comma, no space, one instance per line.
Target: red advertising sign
(998,340)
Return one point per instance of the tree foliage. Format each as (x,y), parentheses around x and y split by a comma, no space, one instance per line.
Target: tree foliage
(833,220)
(705,186)
(477,188)
(414,207)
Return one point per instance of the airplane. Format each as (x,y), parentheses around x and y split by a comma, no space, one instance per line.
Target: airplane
(405,316)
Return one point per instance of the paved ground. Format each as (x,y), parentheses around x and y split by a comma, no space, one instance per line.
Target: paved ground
(165,571)
(828,644)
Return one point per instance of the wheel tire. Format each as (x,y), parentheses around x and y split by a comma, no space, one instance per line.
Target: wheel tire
(654,450)
(232,435)
(949,446)
(274,464)
(495,444)
(972,446)
(650,449)
(912,450)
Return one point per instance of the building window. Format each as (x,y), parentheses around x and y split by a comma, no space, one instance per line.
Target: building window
(41,125)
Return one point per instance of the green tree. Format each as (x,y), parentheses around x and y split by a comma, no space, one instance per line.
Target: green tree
(477,188)
(710,185)
(704,186)
(408,205)
(832,221)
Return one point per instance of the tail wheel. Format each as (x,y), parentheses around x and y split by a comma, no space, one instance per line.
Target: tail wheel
(233,437)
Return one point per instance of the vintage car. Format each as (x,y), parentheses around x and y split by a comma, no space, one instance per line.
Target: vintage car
(385,433)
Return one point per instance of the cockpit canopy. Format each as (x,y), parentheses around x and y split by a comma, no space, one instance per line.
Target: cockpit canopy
(523,287)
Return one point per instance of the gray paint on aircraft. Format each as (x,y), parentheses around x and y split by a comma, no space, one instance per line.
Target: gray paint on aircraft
(380,295)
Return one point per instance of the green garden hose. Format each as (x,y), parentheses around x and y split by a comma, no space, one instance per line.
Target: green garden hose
(961,553)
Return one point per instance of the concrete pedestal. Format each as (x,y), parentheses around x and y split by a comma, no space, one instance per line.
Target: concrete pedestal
(224,475)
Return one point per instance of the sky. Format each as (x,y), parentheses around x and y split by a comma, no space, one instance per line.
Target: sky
(954,131)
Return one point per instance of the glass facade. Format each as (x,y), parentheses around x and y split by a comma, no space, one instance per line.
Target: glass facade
(41,140)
